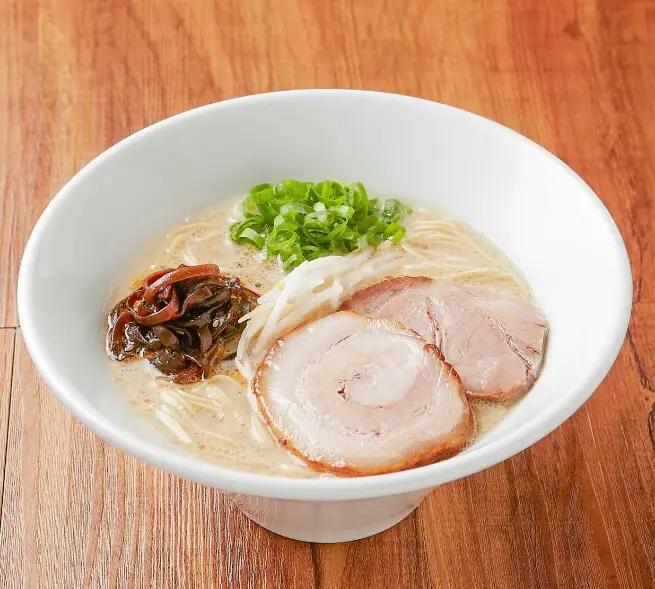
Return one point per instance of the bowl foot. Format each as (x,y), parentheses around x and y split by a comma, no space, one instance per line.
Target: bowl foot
(328,521)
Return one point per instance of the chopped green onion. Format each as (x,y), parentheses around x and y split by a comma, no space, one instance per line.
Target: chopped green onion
(250,235)
(297,207)
(300,221)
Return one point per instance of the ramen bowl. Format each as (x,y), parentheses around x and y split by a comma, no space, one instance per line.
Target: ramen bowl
(530,204)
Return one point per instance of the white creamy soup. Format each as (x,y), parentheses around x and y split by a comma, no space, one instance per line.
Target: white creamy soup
(218,416)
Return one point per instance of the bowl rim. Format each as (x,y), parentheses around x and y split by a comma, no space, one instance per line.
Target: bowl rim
(321,489)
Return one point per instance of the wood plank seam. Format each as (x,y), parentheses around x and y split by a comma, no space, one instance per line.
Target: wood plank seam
(645,383)
(315,565)
(5,441)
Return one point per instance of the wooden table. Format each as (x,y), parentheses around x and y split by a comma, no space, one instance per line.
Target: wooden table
(576,510)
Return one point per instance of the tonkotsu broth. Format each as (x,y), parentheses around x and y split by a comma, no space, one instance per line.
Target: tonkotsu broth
(217,418)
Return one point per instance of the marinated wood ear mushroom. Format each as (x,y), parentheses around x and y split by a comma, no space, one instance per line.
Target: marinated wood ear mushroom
(183,320)
(358,396)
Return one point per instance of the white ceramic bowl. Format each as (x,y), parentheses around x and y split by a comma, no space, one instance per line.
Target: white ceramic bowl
(528,202)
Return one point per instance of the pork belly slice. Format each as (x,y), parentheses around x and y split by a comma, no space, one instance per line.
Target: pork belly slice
(494,339)
(358,396)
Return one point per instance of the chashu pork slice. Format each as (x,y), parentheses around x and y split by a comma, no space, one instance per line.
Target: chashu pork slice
(494,339)
(359,396)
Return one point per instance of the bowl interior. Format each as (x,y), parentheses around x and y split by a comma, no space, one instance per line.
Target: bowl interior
(531,205)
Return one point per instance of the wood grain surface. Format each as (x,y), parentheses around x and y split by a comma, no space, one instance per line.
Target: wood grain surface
(575,510)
